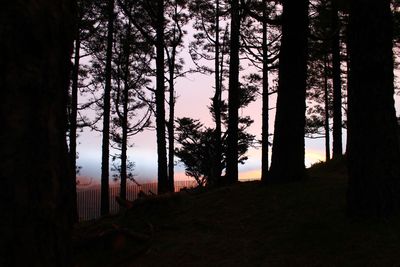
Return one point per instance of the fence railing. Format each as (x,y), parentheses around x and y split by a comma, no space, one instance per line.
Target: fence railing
(89,199)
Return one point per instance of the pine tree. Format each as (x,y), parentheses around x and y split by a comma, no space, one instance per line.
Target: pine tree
(263,54)
(337,83)
(177,18)
(232,173)
(210,44)
(105,155)
(132,109)
(37,39)
(287,162)
(152,27)
(373,151)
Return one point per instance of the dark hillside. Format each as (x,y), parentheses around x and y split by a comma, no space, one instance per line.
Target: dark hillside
(297,224)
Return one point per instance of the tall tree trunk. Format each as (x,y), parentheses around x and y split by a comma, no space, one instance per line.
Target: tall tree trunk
(233,97)
(171,123)
(124,124)
(348,74)
(265,100)
(337,86)
(73,119)
(124,147)
(105,201)
(217,168)
(374,155)
(160,98)
(36,45)
(287,162)
(326,104)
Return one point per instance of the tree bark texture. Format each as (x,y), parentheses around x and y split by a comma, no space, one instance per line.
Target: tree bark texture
(233,97)
(287,163)
(35,174)
(373,155)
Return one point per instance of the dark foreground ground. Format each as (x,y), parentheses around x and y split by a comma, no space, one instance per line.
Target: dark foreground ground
(248,224)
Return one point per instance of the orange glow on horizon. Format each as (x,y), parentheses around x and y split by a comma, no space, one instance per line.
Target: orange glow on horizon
(250,175)
(313,156)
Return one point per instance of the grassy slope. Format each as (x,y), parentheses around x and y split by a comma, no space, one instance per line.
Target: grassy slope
(298,224)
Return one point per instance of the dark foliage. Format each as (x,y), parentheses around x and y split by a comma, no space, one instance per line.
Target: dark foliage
(196,149)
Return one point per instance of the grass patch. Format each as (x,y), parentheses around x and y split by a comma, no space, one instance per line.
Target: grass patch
(249,224)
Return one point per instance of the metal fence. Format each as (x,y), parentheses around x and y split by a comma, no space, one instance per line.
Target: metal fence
(89,199)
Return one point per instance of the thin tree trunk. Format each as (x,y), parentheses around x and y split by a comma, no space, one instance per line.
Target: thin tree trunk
(124,147)
(348,74)
(36,45)
(233,97)
(265,100)
(337,87)
(326,103)
(73,121)
(374,155)
(216,168)
(171,124)
(160,105)
(287,162)
(221,72)
(124,124)
(105,202)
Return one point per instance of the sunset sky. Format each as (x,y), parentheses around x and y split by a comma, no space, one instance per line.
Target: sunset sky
(194,93)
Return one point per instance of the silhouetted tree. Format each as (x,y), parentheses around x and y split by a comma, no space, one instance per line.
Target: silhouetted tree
(92,27)
(265,97)
(196,147)
(287,162)
(86,10)
(232,174)
(337,83)
(160,99)
(196,141)
(149,18)
(132,109)
(373,151)
(105,154)
(325,85)
(319,92)
(36,192)
(216,168)
(210,44)
(177,18)
(74,107)
(264,52)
